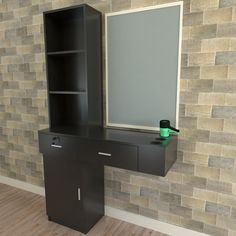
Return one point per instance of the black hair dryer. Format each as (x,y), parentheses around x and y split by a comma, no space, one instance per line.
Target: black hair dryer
(165,129)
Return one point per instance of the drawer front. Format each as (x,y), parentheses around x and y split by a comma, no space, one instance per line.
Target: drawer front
(52,144)
(118,155)
(85,150)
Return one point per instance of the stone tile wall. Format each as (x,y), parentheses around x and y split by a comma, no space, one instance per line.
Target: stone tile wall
(200,190)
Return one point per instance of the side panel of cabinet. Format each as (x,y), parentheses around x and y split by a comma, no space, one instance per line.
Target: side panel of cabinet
(152,159)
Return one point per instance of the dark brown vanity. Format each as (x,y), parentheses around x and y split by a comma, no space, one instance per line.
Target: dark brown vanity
(76,146)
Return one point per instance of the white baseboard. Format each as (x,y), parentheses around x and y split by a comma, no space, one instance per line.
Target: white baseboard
(22,185)
(113,212)
(150,223)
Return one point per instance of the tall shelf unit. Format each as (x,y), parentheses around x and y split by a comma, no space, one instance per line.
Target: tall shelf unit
(73,58)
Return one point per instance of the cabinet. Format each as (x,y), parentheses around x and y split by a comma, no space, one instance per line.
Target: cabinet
(76,147)
(74,184)
(74,160)
(73,59)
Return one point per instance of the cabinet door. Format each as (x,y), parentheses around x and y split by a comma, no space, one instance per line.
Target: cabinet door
(63,183)
(74,181)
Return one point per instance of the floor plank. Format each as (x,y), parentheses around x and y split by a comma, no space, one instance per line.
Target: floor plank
(23,213)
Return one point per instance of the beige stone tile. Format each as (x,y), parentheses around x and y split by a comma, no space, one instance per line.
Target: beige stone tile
(227,3)
(211,99)
(207,172)
(226,58)
(196,59)
(195,134)
(214,72)
(223,138)
(228,175)
(224,86)
(190,72)
(174,177)
(230,125)
(230,99)
(208,148)
(210,124)
(232,72)
(219,187)
(205,195)
(205,217)
(228,112)
(213,230)
(200,85)
(195,158)
(188,122)
(198,110)
(120,5)
(191,45)
(130,188)
(158,205)
(185,33)
(227,199)
(221,15)
(139,200)
(192,19)
(183,85)
(193,203)
(192,224)
(202,5)
(103,6)
(141,3)
(232,44)
(188,97)
(168,217)
(226,30)
(203,31)
(231,232)
(226,222)
(233,13)
(215,45)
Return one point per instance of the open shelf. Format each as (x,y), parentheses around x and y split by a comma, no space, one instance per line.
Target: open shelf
(65,30)
(67,92)
(68,110)
(73,64)
(65,52)
(66,72)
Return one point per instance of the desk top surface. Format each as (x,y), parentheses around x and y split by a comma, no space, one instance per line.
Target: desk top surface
(108,134)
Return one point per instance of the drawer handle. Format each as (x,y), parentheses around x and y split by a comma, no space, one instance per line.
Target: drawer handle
(79,196)
(104,154)
(56,146)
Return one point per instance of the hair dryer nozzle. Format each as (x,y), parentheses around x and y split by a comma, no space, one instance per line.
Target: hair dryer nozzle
(166,124)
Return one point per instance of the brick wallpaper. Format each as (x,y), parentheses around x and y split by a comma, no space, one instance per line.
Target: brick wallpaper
(200,190)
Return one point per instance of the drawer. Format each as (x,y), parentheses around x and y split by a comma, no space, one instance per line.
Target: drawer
(49,144)
(118,155)
(84,150)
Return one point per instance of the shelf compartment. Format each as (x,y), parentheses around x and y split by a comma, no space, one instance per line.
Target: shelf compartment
(65,52)
(64,30)
(68,110)
(67,92)
(66,72)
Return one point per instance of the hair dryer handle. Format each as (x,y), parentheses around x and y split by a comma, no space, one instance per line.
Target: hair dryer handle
(174,129)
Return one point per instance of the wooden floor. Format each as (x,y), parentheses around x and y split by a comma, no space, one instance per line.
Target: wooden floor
(23,214)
